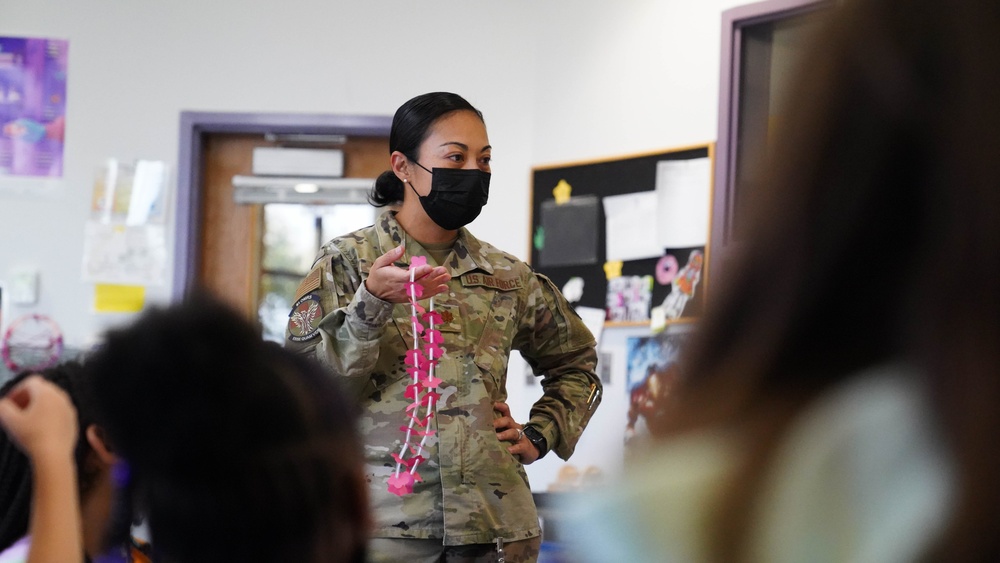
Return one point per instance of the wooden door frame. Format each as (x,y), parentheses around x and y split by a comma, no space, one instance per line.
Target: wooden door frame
(195,125)
(734,21)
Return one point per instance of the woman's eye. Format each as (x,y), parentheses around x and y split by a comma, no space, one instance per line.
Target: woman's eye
(486,160)
(457,157)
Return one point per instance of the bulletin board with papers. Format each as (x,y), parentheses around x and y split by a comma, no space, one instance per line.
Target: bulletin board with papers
(628,235)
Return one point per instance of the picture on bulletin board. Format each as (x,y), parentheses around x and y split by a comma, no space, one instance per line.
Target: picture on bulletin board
(628,235)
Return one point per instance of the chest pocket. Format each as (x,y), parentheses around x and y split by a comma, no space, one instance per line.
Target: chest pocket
(493,348)
(451,321)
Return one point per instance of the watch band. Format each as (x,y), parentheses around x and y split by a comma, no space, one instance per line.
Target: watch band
(536,438)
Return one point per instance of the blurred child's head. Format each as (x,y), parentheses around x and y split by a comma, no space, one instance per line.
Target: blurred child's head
(92,457)
(236,449)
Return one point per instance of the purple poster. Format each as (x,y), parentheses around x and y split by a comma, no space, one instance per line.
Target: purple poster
(32,106)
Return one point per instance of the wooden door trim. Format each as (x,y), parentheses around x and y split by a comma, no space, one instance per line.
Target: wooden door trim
(195,124)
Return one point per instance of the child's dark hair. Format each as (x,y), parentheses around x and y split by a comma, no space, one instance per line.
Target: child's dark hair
(15,467)
(237,449)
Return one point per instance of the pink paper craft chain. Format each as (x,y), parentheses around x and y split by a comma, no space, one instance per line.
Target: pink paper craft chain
(420,364)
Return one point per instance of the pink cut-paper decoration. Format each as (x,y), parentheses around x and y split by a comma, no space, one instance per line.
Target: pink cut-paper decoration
(433,350)
(414,288)
(401,483)
(421,389)
(411,357)
(412,392)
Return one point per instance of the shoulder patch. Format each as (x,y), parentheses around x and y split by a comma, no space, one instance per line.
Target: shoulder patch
(309,283)
(303,321)
(493,282)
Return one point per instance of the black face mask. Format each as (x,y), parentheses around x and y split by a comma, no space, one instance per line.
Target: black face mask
(457,196)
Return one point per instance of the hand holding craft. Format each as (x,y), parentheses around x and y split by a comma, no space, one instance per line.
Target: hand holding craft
(387,281)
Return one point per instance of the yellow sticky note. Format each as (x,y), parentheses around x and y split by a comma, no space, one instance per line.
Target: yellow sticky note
(562,192)
(613,269)
(111,298)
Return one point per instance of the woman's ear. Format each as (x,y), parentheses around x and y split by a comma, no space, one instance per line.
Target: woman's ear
(98,443)
(400,165)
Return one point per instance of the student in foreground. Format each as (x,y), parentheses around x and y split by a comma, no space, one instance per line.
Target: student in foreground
(93,464)
(841,402)
(233,448)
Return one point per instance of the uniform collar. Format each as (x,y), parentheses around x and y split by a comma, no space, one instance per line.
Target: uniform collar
(469,251)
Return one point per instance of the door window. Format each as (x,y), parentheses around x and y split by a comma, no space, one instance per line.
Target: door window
(292,236)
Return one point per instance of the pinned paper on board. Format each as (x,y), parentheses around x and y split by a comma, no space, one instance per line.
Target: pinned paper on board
(562,192)
(631,226)
(683,191)
(629,298)
(613,269)
(569,232)
(637,197)
(573,289)
(683,286)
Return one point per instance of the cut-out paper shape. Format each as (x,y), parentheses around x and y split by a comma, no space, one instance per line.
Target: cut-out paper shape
(666,269)
(539,238)
(420,364)
(433,336)
(613,269)
(401,483)
(573,290)
(683,286)
(562,192)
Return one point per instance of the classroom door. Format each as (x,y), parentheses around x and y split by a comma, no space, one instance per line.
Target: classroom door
(230,241)
(233,252)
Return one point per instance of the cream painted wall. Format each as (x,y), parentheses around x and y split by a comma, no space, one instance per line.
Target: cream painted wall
(557,81)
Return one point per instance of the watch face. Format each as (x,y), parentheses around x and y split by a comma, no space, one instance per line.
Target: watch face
(535,436)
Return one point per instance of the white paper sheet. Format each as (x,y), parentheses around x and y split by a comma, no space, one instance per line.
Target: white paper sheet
(683,189)
(594,319)
(147,185)
(631,225)
(125,255)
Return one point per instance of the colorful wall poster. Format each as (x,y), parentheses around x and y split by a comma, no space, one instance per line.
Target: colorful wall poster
(32,106)
(652,372)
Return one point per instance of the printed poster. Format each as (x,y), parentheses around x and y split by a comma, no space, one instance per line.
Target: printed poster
(652,373)
(32,106)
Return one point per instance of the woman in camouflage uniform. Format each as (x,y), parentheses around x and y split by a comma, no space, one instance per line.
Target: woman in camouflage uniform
(474,502)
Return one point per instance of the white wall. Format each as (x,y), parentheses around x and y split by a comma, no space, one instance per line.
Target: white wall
(557,81)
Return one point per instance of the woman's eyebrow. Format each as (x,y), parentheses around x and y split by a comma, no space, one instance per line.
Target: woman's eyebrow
(464,146)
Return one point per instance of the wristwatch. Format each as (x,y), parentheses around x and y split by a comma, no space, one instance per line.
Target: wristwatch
(536,438)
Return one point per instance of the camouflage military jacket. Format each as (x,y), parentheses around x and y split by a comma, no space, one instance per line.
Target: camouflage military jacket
(473,489)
